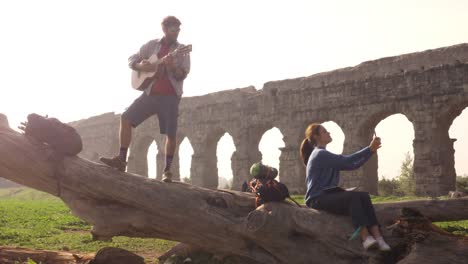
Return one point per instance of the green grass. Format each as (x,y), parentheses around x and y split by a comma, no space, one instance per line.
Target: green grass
(25,194)
(456,227)
(33,219)
(387,199)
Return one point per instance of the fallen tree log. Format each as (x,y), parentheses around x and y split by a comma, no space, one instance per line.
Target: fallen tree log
(218,221)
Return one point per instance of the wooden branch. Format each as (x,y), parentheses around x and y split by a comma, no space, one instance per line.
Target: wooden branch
(223,222)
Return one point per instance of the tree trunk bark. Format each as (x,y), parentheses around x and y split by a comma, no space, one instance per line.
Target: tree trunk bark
(219,221)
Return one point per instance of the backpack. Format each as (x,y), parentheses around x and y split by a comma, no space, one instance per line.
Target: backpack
(268,190)
(63,138)
(265,187)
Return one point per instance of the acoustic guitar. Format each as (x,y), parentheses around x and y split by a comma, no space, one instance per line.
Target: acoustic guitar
(141,79)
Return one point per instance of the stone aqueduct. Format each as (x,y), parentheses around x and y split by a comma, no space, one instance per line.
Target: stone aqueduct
(430,88)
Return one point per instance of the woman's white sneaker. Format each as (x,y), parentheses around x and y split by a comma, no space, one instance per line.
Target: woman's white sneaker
(369,243)
(382,244)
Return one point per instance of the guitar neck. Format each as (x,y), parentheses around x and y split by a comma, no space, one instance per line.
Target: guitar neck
(178,51)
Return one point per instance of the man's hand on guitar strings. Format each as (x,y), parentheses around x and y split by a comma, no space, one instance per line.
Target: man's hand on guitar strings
(146,66)
(169,61)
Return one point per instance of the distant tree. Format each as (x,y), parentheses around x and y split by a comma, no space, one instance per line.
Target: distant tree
(406,177)
(390,187)
(462,183)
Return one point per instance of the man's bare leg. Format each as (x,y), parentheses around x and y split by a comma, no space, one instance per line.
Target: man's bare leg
(120,162)
(169,153)
(170,146)
(374,230)
(125,133)
(364,233)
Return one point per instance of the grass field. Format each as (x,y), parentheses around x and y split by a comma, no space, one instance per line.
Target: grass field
(33,219)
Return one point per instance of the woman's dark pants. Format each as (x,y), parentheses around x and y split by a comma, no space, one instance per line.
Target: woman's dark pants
(356,204)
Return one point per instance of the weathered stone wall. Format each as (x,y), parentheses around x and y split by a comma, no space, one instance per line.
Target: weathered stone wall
(430,88)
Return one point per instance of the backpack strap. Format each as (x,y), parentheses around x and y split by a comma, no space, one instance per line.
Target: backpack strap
(290,198)
(252,186)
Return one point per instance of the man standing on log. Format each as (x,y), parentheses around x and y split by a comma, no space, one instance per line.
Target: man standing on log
(161,96)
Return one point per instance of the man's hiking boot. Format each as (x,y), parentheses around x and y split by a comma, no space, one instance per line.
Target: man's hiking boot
(114,162)
(167,177)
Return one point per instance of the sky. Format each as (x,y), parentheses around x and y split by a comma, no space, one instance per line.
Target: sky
(68,59)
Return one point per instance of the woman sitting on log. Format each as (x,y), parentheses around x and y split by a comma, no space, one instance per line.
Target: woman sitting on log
(323,175)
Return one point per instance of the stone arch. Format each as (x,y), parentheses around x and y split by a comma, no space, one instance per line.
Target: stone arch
(367,176)
(452,111)
(138,153)
(457,133)
(256,134)
(246,140)
(447,157)
(184,159)
(366,127)
(224,159)
(404,138)
(250,138)
(152,159)
(270,155)
(338,136)
(204,171)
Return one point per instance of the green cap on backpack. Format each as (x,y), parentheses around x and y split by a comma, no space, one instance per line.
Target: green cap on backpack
(260,171)
(255,169)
